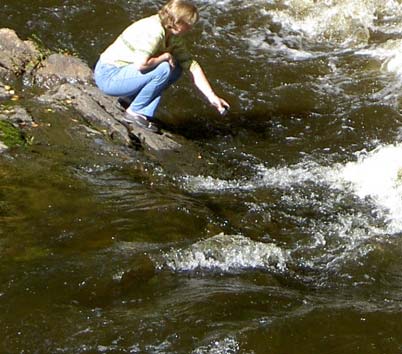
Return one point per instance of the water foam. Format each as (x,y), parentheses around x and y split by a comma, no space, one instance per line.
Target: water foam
(227,345)
(389,53)
(227,253)
(343,21)
(347,206)
(278,177)
(377,175)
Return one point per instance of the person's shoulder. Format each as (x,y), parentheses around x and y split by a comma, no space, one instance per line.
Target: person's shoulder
(151,24)
(153,19)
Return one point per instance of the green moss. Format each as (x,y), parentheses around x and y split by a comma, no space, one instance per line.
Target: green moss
(10,135)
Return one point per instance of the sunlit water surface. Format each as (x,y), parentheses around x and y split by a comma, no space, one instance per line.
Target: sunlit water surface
(278,232)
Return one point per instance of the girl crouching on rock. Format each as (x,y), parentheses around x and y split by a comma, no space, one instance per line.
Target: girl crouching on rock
(147,58)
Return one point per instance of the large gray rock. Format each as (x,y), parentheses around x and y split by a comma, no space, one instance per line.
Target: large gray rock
(163,141)
(104,114)
(58,69)
(15,53)
(90,105)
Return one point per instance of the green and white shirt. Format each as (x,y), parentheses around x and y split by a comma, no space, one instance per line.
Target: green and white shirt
(144,39)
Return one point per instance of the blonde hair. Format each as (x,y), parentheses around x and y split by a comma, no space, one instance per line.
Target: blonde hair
(178,11)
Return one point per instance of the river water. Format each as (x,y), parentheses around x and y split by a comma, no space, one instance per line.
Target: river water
(279,231)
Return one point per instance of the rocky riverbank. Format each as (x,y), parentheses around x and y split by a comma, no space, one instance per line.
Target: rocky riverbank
(61,83)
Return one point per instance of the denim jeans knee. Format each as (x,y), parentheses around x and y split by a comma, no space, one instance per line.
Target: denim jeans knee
(102,75)
(145,89)
(163,71)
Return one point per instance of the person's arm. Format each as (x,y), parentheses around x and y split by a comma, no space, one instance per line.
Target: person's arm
(143,39)
(152,62)
(201,82)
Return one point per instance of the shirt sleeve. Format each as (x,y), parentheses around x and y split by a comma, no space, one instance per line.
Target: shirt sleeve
(181,54)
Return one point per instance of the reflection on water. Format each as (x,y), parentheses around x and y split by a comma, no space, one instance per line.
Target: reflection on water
(278,231)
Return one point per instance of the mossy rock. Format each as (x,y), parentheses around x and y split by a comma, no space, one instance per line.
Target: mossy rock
(10,135)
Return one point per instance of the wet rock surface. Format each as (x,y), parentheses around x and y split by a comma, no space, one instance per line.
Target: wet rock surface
(104,114)
(3,147)
(5,93)
(15,54)
(63,82)
(18,116)
(60,68)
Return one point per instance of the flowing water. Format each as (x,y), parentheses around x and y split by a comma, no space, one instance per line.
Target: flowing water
(279,232)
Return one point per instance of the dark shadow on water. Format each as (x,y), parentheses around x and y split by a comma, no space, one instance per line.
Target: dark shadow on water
(204,128)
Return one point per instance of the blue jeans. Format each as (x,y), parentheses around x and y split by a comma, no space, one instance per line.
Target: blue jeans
(144,89)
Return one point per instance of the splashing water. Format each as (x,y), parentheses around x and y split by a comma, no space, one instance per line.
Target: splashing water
(393,62)
(375,179)
(377,175)
(278,177)
(227,253)
(339,21)
(226,346)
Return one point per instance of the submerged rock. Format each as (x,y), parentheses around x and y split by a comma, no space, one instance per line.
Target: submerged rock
(141,272)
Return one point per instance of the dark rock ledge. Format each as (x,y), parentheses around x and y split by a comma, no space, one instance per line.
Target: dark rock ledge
(65,82)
